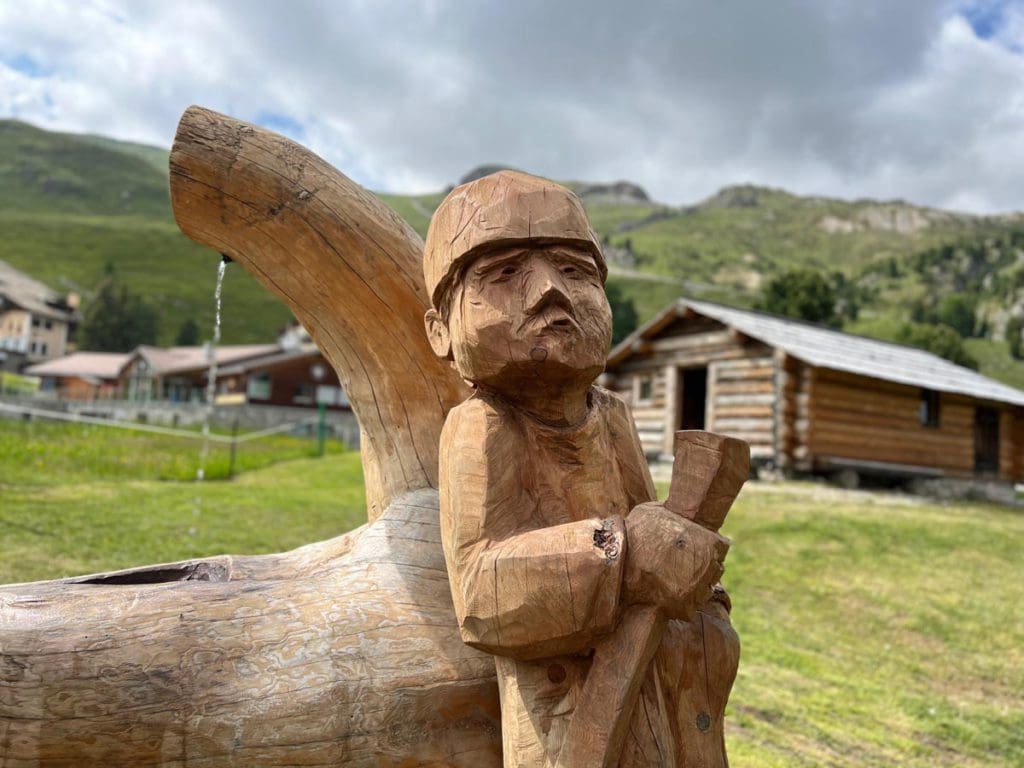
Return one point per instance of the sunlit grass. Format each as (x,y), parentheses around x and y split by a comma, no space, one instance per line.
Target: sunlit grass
(877,630)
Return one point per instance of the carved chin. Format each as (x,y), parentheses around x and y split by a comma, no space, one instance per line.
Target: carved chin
(542,372)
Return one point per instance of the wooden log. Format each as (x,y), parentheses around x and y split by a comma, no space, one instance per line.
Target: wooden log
(340,653)
(348,267)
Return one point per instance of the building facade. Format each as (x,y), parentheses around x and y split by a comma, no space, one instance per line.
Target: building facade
(815,399)
(35,321)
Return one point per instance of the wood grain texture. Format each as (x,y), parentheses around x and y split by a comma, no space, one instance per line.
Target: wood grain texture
(344,652)
(348,267)
(339,653)
(561,564)
(350,651)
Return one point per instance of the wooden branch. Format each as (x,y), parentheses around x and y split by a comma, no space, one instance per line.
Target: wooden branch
(344,652)
(348,267)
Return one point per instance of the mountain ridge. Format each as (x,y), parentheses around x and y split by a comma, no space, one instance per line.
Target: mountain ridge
(76,207)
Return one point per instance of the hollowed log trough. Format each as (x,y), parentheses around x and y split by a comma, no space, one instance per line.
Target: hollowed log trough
(344,652)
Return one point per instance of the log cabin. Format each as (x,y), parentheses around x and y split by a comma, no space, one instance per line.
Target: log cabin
(813,399)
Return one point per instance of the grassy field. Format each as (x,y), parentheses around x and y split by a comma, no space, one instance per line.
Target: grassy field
(877,630)
(77,499)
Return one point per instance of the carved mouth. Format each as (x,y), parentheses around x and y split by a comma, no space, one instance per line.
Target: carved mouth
(556,322)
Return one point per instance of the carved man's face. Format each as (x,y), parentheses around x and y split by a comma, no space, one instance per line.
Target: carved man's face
(529,319)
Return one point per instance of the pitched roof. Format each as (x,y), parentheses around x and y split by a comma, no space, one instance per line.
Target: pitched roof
(96,365)
(838,351)
(266,361)
(170,360)
(28,293)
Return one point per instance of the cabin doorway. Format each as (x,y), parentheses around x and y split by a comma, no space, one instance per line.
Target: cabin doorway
(986,440)
(693,384)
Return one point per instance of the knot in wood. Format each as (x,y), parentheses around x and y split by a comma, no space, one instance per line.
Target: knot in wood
(703,722)
(605,540)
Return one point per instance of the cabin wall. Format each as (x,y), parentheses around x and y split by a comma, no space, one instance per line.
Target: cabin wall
(1011,445)
(741,402)
(649,413)
(868,420)
(790,405)
(740,385)
(1018,445)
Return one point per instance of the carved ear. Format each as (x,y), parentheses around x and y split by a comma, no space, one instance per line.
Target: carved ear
(437,332)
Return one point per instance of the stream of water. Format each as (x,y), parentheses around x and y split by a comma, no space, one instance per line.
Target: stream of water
(211,376)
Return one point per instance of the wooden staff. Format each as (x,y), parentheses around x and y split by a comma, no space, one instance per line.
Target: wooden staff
(708,472)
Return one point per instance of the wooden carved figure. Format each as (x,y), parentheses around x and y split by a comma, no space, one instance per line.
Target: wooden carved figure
(601,607)
(594,604)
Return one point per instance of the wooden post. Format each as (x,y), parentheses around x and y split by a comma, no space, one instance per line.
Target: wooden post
(672,404)
(234,448)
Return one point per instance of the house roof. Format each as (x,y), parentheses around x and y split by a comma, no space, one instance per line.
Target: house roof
(170,360)
(267,361)
(82,365)
(838,351)
(30,294)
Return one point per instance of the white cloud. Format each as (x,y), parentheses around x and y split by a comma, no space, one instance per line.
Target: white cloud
(879,99)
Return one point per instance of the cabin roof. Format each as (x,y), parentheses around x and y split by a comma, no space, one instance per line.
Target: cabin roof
(828,348)
(84,365)
(269,361)
(171,360)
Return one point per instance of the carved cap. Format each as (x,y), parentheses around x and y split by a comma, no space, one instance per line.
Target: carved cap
(505,208)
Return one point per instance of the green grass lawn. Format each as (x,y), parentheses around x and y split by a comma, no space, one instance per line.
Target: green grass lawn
(877,630)
(77,499)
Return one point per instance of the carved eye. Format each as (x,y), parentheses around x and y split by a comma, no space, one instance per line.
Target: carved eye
(506,272)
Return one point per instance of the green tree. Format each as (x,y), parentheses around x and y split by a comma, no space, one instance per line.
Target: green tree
(803,294)
(1014,328)
(117,320)
(624,318)
(938,339)
(958,311)
(188,334)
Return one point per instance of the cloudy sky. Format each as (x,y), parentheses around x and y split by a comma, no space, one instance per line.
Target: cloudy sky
(915,99)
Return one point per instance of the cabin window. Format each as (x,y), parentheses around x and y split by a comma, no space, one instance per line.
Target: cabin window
(258,387)
(304,393)
(928,409)
(645,389)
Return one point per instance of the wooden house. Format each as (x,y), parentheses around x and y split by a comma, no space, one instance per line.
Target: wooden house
(815,399)
(291,377)
(82,375)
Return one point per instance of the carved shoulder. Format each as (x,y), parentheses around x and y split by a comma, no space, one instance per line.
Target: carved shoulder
(628,450)
(473,425)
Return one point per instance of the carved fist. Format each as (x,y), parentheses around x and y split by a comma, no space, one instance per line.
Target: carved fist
(671,562)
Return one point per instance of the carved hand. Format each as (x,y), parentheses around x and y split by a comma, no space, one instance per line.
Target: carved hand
(672,563)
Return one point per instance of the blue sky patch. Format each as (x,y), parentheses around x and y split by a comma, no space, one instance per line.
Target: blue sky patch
(25,64)
(283,124)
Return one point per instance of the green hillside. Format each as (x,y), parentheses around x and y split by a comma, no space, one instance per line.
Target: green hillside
(74,207)
(43,172)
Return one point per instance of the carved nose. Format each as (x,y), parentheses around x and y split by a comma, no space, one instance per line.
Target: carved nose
(545,286)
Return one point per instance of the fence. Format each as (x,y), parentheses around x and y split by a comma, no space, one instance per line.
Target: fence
(311,425)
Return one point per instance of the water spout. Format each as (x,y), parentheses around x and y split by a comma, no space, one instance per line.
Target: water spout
(211,376)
